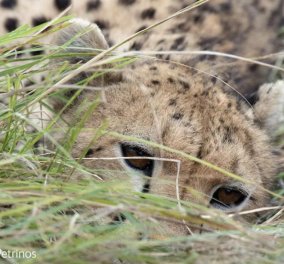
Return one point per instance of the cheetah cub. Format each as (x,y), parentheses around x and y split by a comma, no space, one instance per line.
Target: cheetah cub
(190,114)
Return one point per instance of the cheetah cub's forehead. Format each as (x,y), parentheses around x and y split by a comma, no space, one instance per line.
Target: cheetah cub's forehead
(187,111)
(163,100)
(190,112)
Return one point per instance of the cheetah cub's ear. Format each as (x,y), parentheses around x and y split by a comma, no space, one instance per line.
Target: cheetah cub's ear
(269,108)
(81,36)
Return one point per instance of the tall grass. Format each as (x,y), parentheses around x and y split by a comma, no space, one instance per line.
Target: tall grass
(66,219)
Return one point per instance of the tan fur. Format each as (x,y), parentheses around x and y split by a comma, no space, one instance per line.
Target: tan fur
(203,132)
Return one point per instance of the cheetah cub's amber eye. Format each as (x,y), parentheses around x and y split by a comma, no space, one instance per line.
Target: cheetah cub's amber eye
(228,198)
(144,165)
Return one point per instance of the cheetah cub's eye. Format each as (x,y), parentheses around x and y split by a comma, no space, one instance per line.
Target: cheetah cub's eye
(228,198)
(144,165)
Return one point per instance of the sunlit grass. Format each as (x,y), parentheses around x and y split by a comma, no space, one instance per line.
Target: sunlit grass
(45,208)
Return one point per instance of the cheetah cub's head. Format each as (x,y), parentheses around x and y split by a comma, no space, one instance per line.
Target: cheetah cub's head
(188,112)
